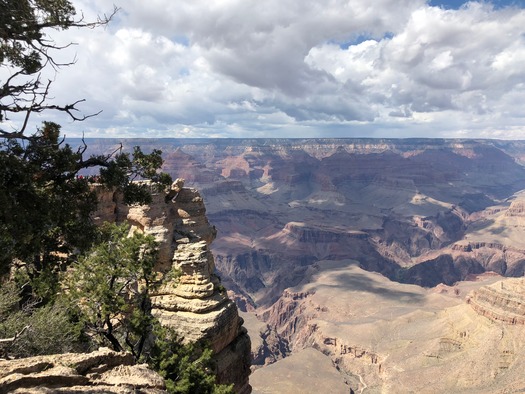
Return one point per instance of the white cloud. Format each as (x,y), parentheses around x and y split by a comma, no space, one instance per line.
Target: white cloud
(298,68)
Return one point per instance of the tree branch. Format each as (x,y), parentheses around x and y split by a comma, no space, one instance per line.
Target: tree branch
(10,341)
(26,51)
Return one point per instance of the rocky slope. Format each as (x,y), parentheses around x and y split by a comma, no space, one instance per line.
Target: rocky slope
(388,337)
(501,302)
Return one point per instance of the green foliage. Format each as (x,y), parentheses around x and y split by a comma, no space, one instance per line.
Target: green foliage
(126,168)
(21,26)
(45,330)
(111,284)
(44,207)
(186,368)
(9,299)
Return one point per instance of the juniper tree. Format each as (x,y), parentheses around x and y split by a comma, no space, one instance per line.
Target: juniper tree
(27,49)
(44,207)
(111,285)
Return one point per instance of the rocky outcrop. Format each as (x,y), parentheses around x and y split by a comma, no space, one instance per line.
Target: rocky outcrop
(102,371)
(503,301)
(493,256)
(288,313)
(190,298)
(516,209)
(272,347)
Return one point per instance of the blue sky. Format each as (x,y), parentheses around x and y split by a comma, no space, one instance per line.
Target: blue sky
(297,68)
(455,4)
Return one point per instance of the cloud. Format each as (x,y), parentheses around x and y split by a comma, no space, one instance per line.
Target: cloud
(298,68)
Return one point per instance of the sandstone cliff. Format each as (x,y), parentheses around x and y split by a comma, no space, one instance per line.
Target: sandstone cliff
(191,298)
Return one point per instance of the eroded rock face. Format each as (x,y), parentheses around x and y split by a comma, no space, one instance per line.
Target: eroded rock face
(103,371)
(501,302)
(516,209)
(191,298)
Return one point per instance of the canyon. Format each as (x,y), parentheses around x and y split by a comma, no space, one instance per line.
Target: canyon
(390,262)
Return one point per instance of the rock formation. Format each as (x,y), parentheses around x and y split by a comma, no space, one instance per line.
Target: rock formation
(503,301)
(102,371)
(191,298)
(516,209)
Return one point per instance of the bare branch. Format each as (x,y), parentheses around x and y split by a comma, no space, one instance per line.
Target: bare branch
(26,51)
(82,150)
(94,161)
(10,341)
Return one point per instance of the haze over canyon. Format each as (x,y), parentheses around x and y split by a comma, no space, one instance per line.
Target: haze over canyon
(364,264)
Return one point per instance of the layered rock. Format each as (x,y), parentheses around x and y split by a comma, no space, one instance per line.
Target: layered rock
(516,209)
(503,301)
(102,371)
(191,298)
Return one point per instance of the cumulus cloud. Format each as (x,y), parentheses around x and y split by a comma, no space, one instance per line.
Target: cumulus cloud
(298,68)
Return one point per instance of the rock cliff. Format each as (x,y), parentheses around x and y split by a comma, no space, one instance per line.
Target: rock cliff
(191,298)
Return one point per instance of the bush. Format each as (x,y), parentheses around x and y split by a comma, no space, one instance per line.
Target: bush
(36,331)
(187,368)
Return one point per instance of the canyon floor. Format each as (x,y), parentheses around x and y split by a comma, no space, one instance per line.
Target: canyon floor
(378,336)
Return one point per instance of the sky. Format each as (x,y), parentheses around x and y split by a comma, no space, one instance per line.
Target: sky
(297,68)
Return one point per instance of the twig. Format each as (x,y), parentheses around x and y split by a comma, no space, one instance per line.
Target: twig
(11,340)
